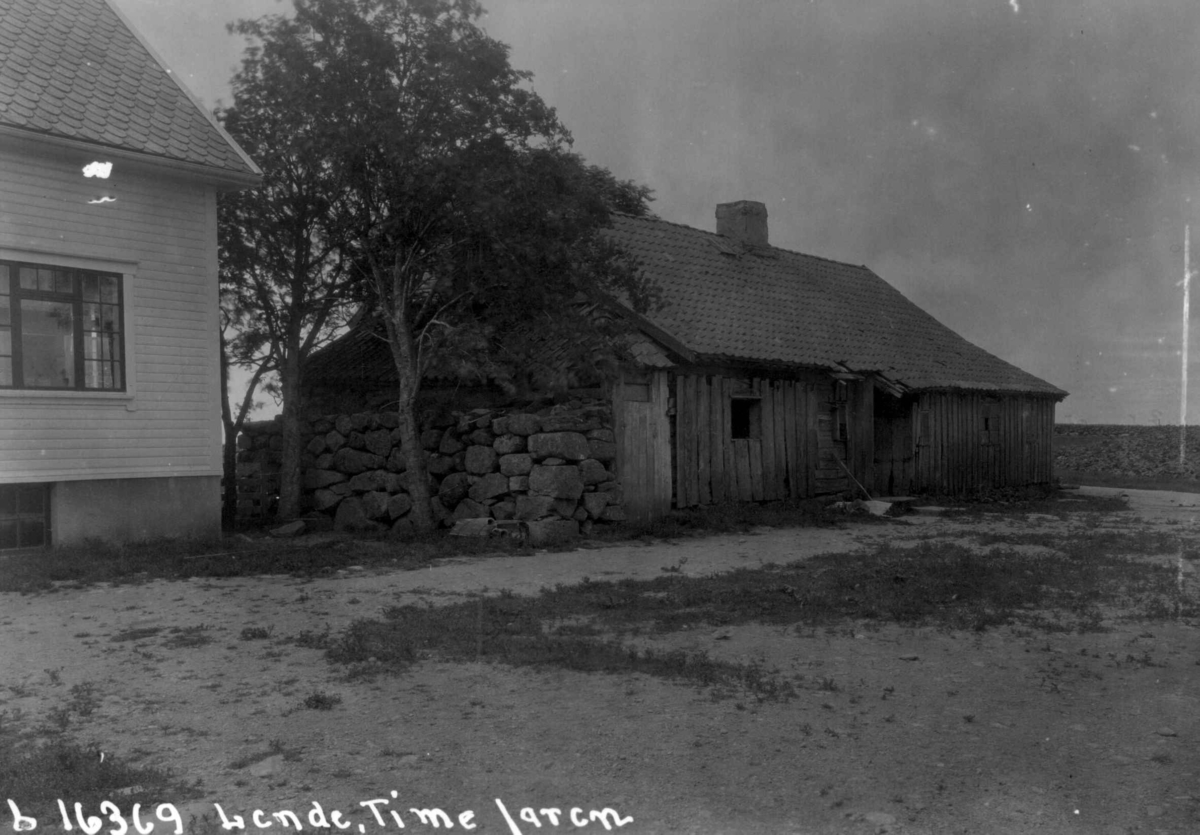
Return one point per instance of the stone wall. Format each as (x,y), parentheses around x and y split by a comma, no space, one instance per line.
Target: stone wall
(550,464)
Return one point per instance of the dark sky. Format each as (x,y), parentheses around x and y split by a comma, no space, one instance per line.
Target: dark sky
(1021,170)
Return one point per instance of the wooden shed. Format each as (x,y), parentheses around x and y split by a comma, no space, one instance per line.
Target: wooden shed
(781,375)
(770,374)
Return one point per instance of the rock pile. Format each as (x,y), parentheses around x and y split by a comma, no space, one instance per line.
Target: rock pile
(551,466)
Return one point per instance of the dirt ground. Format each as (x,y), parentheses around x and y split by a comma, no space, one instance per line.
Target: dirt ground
(895,730)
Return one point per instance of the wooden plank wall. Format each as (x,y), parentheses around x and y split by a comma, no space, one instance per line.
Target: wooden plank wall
(778,463)
(958,455)
(643,446)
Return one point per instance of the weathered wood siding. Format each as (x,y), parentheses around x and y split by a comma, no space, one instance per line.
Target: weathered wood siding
(643,435)
(161,235)
(968,442)
(793,446)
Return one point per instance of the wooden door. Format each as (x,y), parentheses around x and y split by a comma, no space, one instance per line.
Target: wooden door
(643,443)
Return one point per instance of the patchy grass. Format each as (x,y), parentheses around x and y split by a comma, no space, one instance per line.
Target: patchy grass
(943,584)
(98,562)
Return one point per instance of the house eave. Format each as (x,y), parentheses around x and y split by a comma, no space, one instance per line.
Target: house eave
(30,141)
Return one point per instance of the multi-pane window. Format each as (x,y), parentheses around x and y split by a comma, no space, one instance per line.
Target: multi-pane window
(60,328)
(24,516)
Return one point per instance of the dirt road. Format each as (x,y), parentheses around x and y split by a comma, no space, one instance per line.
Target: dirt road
(895,730)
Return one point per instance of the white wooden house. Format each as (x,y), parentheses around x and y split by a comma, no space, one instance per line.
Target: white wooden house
(109,381)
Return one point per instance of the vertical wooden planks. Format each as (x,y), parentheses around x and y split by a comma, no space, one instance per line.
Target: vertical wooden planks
(683,435)
(783,444)
(704,441)
(731,474)
(660,430)
(754,446)
(787,409)
(770,487)
(717,439)
(812,442)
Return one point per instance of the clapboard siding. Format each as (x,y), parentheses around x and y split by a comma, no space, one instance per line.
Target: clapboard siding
(165,228)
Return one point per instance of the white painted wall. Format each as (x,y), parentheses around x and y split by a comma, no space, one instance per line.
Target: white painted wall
(161,235)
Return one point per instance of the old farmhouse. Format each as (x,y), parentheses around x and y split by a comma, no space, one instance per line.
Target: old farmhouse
(109,381)
(770,374)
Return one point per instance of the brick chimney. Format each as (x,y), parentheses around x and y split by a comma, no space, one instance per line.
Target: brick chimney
(744,220)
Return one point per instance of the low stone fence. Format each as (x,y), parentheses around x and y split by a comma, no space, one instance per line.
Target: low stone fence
(550,466)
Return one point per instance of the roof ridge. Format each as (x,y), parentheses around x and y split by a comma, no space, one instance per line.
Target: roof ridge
(658,219)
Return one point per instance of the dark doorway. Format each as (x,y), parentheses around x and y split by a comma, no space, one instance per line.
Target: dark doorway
(894,444)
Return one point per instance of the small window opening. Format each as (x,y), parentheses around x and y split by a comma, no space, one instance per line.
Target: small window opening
(24,516)
(745,418)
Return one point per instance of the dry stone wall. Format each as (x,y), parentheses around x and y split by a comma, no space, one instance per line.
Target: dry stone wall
(552,465)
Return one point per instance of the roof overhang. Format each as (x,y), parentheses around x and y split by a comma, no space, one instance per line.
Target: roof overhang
(35,142)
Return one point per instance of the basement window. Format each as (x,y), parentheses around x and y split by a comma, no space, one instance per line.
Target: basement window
(24,516)
(745,418)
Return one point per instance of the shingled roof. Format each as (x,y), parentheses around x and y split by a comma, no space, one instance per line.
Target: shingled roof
(76,69)
(732,302)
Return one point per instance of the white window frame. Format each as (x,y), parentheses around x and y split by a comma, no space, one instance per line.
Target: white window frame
(128,272)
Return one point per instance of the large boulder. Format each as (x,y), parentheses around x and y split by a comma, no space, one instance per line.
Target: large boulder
(343,425)
(324,499)
(351,516)
(397,462)
(440,464)
(334,440)
(379,441)
(518,484)
(398,505)
(454,488)
(489,487)
(570,423)
(375,505)
(601,435)
(517,463)
(315,446)
(431,438)
(316,479)
(508,444)
(518,423)
(372,480)
(504,510)
(527,508)
(450,443)
(388,420)
(482,437)
(602,450)
(557,482)
(593,472)
(570,446)
(353,461)
(595,503)
(471,509)
(480,459)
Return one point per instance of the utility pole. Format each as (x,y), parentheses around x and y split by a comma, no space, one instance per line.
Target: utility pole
(1183,401)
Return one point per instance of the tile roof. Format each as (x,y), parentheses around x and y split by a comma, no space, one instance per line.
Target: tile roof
(730,302)
(76,69)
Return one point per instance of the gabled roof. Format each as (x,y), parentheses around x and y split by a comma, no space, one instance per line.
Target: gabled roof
(76,69)
(729,302)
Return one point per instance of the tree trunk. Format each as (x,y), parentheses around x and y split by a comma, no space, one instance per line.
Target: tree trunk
(289,469)
(404,357)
